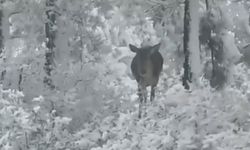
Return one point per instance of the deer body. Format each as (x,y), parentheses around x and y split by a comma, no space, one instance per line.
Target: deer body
(146,67)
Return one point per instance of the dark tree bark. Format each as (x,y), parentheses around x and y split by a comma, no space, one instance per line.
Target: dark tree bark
(187,70)
(207,5)
(1,32)
(210,43)
(20,79)
(3,72)
(50,42)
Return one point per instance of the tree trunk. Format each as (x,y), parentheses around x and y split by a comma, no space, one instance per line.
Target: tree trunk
(3,72)
(20,79)
(1,33)
(187,70)
(207,5)
(212,49)
(50,42)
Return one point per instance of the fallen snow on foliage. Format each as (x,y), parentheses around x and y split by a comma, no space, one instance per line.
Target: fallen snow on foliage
(232,53)
(201,119)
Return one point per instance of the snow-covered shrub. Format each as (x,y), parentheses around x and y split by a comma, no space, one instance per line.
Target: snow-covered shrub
(31,127)
(202,120)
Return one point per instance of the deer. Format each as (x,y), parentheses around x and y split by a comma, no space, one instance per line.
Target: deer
(146,67)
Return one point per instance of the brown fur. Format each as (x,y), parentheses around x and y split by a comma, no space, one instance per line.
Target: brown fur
(146,67)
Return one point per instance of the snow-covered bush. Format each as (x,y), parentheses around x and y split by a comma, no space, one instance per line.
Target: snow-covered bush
(202,120)
(24,127)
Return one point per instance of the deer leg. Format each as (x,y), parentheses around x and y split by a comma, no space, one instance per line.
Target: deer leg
(152,94)
(140,94)
(144,93)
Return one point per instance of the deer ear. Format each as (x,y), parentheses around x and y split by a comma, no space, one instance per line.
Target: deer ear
(133,48)
(156,47)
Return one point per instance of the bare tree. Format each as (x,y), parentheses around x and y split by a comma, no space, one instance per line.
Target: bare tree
(1,32)
(3,72)
(187,69)
(50,42)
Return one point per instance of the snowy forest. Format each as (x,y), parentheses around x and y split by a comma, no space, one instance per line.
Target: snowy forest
(66,81)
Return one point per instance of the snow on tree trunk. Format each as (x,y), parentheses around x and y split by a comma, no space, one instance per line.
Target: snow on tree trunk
(1,32)
(50,42)
(2,70)
(187,72)
(195,61)
(62,45)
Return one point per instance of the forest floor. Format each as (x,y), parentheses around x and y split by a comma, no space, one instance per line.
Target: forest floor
(202,119)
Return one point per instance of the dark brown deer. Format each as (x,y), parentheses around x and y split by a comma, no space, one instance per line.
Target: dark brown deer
(146,67)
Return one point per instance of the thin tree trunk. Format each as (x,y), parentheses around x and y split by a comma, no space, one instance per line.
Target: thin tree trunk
(1,33)
(212,49)
(20,79)
(3,72)
(187,70)
(207,5)
(50,43)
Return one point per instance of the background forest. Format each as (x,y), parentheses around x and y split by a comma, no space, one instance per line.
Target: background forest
(66,84)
